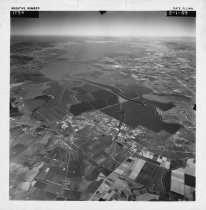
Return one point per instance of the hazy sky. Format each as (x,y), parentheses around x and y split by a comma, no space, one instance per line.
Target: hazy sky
(110,24)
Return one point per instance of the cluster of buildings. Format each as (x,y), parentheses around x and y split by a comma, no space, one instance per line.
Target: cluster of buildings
(102,123)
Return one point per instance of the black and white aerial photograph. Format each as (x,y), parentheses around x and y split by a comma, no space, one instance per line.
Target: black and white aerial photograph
(102,106)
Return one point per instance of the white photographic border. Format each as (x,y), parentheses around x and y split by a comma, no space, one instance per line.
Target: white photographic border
(111,5)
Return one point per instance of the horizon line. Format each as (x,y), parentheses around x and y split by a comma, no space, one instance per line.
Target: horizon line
(58,35)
